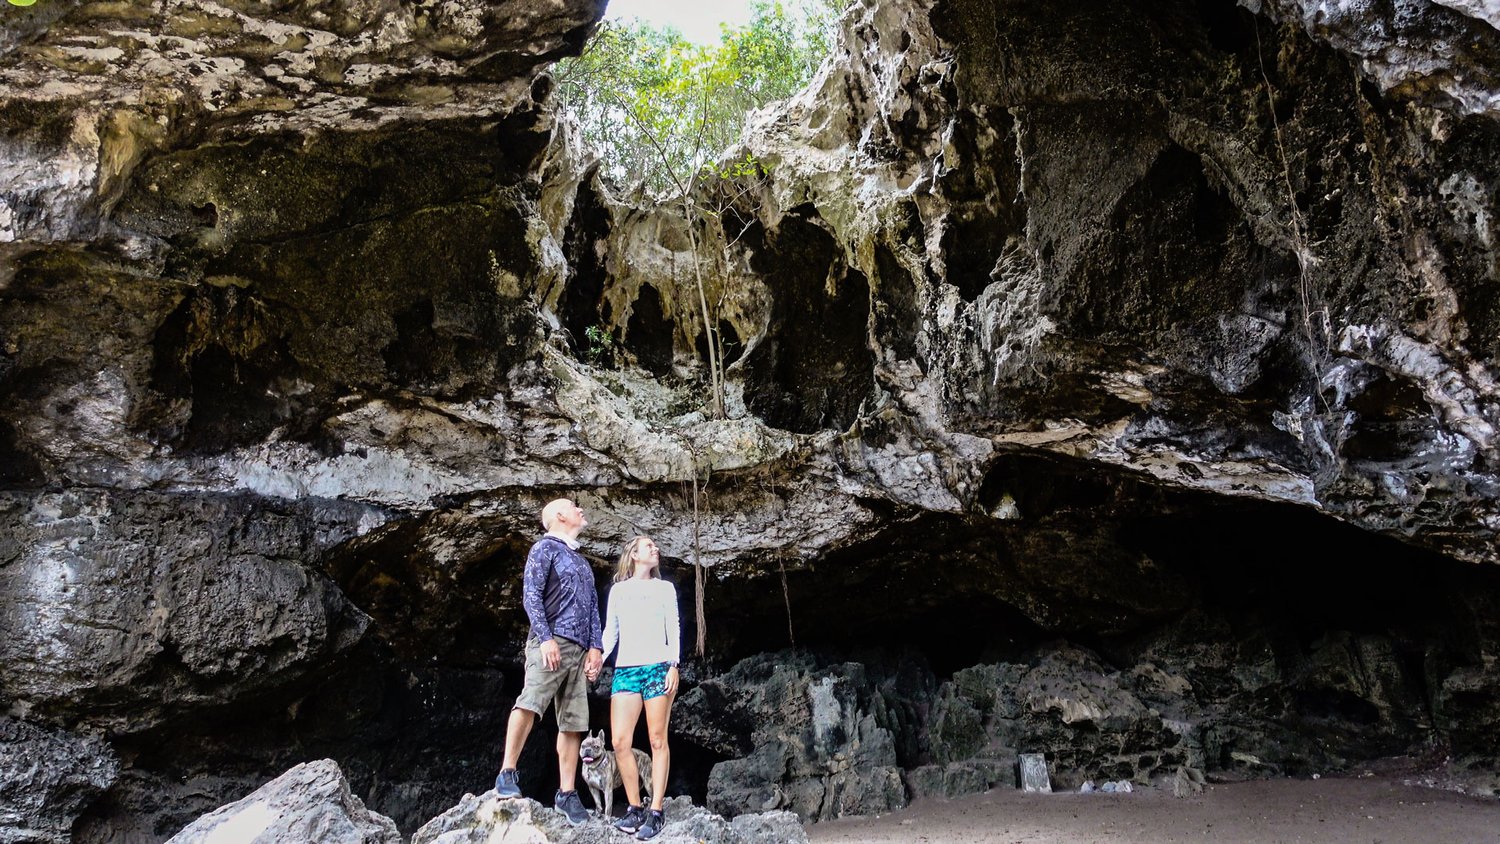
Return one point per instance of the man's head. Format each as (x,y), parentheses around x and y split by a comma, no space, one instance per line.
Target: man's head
(564,517)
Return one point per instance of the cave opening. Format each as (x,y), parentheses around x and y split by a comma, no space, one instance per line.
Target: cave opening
(1289,629)
(800,380)
(1292,630)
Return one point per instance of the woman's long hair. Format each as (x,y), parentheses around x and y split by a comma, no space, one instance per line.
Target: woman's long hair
(626,569)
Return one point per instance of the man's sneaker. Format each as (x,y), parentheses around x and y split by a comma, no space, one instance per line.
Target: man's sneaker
(568,803)
(634,817)
(508,784)
(651,828)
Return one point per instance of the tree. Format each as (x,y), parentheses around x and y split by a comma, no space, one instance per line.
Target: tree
(659,107)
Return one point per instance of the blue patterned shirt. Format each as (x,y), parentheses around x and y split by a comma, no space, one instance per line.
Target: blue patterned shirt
(558,594)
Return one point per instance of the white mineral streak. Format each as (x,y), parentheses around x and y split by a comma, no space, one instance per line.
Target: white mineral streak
(1485,10)
(1404,45)
(1466,397)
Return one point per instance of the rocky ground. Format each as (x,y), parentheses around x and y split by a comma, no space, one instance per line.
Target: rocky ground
(312,803)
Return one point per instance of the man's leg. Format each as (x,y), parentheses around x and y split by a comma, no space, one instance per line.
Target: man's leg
(572,707)
(537,689)
(516,732)
(567,759)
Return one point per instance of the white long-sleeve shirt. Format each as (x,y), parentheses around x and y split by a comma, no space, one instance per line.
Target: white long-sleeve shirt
(641,617)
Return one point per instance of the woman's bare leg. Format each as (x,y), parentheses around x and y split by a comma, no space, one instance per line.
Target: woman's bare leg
(658,713)
(624,712)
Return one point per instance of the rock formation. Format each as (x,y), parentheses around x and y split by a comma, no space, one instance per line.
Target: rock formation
(477,820)
(311,802)
(1168,329)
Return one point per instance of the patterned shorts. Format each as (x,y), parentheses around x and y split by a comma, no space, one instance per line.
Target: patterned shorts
(648,681)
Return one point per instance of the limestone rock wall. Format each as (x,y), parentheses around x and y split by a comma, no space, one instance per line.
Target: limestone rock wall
(1072,230)
(1081,320)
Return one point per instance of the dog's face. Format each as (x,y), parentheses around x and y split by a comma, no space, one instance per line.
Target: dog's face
(594,749)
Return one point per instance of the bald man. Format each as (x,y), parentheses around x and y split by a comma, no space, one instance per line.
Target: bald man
(563,652)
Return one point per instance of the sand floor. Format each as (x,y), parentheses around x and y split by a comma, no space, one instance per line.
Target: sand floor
(1332,810)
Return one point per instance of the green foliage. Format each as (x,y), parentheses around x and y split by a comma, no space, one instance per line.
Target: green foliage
(658,107)
(748,167)
(601,345)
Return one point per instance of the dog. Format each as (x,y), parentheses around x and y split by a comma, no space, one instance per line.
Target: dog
(602,775)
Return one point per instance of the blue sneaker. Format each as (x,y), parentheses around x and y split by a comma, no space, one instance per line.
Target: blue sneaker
(508,784)
(655,820)
(634,817)
(568,803)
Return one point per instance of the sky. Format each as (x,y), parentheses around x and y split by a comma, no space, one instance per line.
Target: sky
(697,20)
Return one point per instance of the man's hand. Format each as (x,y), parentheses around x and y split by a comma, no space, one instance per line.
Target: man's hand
(593,663)
(551,655)
(672,679)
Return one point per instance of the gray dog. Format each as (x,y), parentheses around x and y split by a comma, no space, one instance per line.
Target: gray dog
(603,776)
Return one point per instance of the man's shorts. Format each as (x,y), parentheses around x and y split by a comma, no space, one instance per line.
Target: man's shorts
(648,681)
(566,688)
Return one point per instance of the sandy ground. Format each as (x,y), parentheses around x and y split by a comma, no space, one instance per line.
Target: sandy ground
(1332,810)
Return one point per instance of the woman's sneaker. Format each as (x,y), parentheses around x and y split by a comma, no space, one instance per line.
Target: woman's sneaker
(634,817)
(651,827)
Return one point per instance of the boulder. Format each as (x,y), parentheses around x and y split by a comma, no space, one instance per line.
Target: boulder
(822,738)
(124,608)
(485,818)
(1065,704)
(309,803)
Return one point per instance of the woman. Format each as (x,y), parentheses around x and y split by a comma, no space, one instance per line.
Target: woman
(641,618)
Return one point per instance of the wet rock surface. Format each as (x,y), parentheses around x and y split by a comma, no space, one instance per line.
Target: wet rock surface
(1148,422)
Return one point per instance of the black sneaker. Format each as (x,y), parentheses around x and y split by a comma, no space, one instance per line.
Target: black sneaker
(634,817)
(568,803)
(651,827)
(508,784)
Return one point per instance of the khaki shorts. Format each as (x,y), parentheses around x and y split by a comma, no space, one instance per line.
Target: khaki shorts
(566,688)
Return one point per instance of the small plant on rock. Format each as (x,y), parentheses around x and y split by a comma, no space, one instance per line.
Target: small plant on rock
(600,350)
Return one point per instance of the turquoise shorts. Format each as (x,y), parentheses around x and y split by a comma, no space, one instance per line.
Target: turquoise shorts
(648,681)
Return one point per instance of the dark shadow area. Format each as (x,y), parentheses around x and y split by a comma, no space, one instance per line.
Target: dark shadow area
(897,312)
(221,351)
(648,334)
(411,738)
(18,468)
(583,244)
(813,369)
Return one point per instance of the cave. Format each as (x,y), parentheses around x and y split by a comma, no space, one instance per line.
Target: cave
(1109,381)
(584,243)
(1351,634)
